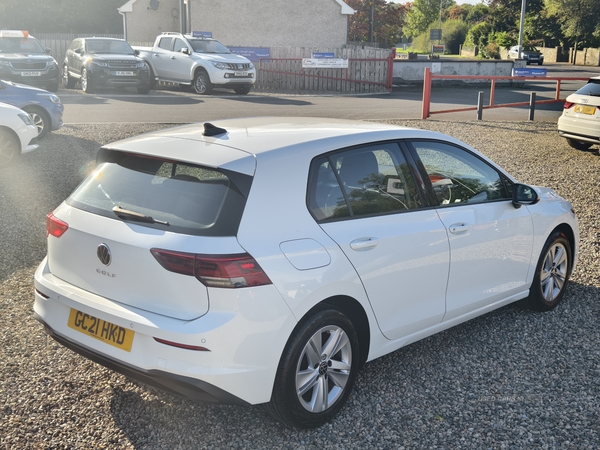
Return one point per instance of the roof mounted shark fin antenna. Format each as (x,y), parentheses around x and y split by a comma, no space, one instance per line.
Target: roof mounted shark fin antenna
(211,130)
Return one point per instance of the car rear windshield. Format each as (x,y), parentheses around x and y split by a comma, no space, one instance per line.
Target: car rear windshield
(591,88)
(168,195)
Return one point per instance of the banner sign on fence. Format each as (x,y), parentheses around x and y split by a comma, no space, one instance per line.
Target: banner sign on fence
(202,34)
(527,72)
(254,54)
(437,48)
(323,55)
(324,63)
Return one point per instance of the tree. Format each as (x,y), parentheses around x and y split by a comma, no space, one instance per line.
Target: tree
(388,21)
(423,13)
(578,25)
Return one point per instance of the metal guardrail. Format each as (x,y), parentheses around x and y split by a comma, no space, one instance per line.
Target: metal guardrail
(428,77)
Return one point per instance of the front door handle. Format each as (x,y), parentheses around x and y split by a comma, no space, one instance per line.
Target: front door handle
(459,228)
(364,243)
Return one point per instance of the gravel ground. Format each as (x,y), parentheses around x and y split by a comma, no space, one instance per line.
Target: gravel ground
(510,379)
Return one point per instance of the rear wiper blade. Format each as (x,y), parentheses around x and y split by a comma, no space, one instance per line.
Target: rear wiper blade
(139,217)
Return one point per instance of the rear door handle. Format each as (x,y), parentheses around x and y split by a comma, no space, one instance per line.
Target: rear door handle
(364,243)
(459,228)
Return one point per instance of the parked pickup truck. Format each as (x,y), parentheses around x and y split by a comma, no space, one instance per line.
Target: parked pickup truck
(200,62)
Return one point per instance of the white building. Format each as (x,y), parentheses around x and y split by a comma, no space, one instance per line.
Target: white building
(250,23)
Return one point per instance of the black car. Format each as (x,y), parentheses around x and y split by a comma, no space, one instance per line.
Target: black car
(105,62)
(24,60)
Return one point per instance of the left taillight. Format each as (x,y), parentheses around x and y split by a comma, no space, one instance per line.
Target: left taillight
(567,105)
(54,226)
(222,271)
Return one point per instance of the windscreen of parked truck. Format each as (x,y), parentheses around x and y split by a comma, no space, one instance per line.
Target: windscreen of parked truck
(208,46)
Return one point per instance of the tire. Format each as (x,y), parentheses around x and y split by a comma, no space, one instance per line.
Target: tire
(579,145)
(40,119)
(551,274)
(10,148)
(335,371)
(242,90)
(86,83)
(201,83)
(540,63)
(68,81)
(143,90)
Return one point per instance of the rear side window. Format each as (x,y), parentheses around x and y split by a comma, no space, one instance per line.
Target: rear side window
(362,182)
(591,88)
(169,195)
(165,43)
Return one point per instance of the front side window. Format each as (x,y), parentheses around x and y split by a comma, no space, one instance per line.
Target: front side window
(168,195)
(459,177)
(178,45)
(362,182)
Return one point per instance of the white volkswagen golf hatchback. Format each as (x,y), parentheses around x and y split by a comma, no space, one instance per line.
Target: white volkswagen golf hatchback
(265,260)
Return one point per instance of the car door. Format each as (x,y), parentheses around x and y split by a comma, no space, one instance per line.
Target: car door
(180,66)
(490,240)
(161,57)
(367,200)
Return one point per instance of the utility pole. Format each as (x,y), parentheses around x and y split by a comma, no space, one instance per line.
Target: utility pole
(371,18)
(523,5)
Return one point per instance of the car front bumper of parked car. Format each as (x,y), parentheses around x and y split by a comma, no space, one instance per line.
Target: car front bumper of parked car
(103,76)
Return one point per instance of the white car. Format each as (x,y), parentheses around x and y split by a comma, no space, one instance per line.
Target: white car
(265,260)
(18,133)
(580,120)
(529,53)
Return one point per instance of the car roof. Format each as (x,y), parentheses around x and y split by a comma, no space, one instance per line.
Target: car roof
(247,139)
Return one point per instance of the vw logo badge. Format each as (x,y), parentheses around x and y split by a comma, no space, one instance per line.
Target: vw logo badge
(103,253)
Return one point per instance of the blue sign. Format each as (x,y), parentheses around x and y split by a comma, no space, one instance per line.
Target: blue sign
(202,34)
(323,55)
(254,54)
(527,72)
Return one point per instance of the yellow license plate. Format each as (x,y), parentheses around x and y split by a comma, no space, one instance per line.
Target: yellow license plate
(101,329)
(584,109)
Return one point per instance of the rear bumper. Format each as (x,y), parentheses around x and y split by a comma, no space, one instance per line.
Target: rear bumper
(172,383)
(579,129)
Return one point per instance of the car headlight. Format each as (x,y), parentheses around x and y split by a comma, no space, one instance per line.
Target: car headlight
(51,97)
(141,65)
(25,118)
(4,64)
(90,60)
(219,65)
(51,63)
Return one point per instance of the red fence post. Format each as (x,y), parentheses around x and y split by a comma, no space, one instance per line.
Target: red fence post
(426,93)
(391,69)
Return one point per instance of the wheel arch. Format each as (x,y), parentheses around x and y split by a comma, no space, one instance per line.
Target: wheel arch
(12,133)
(355,312)
(570,235)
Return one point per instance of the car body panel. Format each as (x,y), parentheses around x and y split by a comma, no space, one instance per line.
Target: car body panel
(23,96)
(580,119)
(25,133)
(23,60)
(109,62)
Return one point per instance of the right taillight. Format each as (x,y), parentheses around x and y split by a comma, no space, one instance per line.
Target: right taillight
(54,226)
(223,271)
(567,105)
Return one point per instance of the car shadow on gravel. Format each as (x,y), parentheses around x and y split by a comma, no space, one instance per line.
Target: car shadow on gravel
(495,372)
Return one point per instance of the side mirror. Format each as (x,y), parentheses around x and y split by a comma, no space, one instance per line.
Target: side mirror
(79,51)
(48,50)
(136,52)
(185,51)
(524,195)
